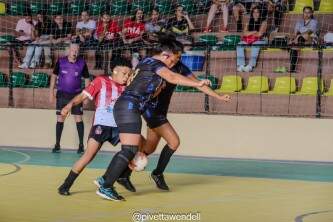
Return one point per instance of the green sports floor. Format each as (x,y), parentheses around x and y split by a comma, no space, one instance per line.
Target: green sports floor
(228,190)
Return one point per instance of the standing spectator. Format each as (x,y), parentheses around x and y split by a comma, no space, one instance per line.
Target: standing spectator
(108,37)
(277,7)
(181,26)
(154,25)
(217,7)
(239,8)
(68,74)
(254,33)
(41,36)
(132,35)
(85,30)
(61,31)
(306,32)
(24,30)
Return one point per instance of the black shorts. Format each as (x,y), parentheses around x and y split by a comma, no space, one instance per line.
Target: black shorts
(63,99)
(127,114)
(154,118)
(105,133)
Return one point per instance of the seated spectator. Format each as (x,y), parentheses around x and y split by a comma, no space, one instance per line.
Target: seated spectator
(306,32)
(218,6)
(132,35)
(153,26)
(239,8)
(181,26)
(41,36)
(107,34)
(277,7)
(61,31)
(24,29)
(254,33)
(85,30)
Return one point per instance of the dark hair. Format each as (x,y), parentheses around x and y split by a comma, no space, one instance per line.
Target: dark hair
(308,8)
(135,12)
(255,25)
(85,10)
(156,10)
(119,62)
(167,42)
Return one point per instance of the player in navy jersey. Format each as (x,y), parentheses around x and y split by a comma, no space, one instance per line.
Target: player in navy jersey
(67,78)
(149,79)
(159,126)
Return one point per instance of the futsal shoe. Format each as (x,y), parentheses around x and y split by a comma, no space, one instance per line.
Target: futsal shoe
(160,182)
(80,150)
(109,194)
(56,149)
(126,182)
(62,190)
(99,181)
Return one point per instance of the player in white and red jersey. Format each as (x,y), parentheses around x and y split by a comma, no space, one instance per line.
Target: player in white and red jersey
(104,90)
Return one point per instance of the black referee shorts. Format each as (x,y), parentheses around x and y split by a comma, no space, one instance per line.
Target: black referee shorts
(63,99)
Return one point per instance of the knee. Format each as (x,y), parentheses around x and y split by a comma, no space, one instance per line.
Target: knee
(175,144)
(128,152)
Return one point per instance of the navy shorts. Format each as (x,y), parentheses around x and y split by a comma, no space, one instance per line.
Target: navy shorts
(104,134)
(154,118)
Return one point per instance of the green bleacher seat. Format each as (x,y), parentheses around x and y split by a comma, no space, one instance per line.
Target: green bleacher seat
(256,85)
(284,86)
(188,5)
(18,79)
(310,86)
(230,84)
(3,82)
(2,8)
(96,8)
(164,6)
(119,7)
(17,8)
(326,6)
(145,5)
(212,78)
(7,39)
(76,7)
(300,4)
(57,8)
(39,80)
(330,90)
(37,6)
(209,39)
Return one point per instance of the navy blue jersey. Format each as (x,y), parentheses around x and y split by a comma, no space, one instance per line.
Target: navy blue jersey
(161,103)
(146,81)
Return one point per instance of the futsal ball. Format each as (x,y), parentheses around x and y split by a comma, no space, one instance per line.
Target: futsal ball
(140,161)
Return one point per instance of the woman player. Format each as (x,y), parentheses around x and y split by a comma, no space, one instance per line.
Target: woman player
(146,85)
(105,90)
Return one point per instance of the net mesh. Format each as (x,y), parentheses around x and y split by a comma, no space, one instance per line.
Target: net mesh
(281,79)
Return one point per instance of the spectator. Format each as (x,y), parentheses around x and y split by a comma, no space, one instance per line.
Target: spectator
(41,36)
(217,7)
(132,35)
(108,37)
(277,7)
(154,26)
(254,33)
(239,8)
(68,74)
(306,32)
(61,31)
(85,30)
(24,30)
(181,26)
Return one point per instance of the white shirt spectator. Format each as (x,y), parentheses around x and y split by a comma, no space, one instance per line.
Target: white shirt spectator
(26,27)
(91,25)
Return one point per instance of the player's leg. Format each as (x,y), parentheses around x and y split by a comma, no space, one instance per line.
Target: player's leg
(77,112)
(90,153)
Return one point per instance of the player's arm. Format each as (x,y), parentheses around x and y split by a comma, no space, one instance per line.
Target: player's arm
(209,91)
(177,79)
(75,101)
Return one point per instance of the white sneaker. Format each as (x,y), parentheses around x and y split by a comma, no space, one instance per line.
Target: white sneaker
(248,68)
(240,68)
(23,66)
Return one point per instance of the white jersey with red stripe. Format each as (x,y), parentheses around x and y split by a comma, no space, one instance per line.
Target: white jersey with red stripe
(105,92)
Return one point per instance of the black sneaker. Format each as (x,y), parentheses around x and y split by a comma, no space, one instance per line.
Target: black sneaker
(56,149)
(159,180)
(62,190)
(81,149)
(126,182)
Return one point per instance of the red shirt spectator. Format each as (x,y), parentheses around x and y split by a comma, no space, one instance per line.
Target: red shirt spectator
(108,32)
(133,29)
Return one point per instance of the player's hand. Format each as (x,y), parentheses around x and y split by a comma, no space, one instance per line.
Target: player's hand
(65,111)
(131,165)
(205,82)
(225,98)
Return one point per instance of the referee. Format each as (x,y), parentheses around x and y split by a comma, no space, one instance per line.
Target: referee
(68,74)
